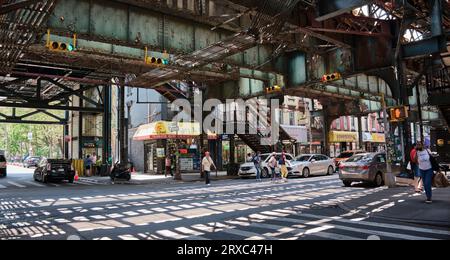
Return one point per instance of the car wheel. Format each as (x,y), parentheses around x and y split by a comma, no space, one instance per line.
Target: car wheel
(379,180)
(265,174)
(71,180)
(347,183)
(330,171)
(306,173)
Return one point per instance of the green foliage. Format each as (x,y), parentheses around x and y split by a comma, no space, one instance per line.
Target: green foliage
(47,139)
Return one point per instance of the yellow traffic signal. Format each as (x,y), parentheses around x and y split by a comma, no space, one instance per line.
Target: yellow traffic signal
(156,61)
(61,46)
(331,77)
(399,114)
(274,89)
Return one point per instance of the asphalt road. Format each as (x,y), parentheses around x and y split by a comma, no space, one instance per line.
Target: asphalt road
(228,210)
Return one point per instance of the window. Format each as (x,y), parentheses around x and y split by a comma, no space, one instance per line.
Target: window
(317,158)
(280,117)
(345,123)
(323,158)
(353,125)
(291,118)
(374,124)
(338,124)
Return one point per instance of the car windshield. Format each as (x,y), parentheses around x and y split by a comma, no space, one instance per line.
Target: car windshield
(345,155)
(304,158)
(361,158)
(264,157)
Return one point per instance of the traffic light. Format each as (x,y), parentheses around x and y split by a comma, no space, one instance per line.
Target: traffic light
(61,46)
(155,60)
(274,89)
(331,77)
(399,114)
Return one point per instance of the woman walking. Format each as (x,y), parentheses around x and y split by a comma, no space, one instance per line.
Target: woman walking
(423,160)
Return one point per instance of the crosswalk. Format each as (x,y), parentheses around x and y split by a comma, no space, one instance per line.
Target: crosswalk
(26,184)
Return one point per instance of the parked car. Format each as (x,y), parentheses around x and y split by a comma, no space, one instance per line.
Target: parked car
(54,170)
(312,164)
(345,156)
(3,166)
(367,167)
(248,169)
(32,161)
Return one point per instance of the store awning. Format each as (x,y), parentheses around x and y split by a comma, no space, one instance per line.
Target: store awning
(168,130)
(297,133)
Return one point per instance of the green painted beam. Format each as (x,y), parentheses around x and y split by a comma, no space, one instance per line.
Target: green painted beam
(118,27)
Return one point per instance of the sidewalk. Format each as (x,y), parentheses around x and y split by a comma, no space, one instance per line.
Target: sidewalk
(402,204)
(140,178)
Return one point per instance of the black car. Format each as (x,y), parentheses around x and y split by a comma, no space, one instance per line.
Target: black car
(32,161)
(2,166)
(54,170)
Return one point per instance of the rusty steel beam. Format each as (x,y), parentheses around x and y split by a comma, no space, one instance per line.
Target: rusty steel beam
(370,34)
(71,79)
(15,6)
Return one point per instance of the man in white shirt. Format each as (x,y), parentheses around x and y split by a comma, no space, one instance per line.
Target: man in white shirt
(207,164)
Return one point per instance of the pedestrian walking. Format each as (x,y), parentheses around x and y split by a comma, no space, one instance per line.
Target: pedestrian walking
(207,164)
(257,162)
(283,167)
(168,166)
(88,165)
(425,162)
(418,183)
(273,164)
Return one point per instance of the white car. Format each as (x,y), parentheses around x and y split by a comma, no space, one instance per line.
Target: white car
(312,164)
(248,169)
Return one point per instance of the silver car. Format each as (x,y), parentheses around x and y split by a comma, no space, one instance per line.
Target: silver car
(367,167)
(312,164)
(248,169)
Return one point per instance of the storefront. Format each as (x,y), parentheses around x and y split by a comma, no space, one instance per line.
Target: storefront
(342,141)
(299,140)
(91,145)
(167,138)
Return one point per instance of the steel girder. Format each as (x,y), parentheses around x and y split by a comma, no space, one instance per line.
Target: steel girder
(331,8)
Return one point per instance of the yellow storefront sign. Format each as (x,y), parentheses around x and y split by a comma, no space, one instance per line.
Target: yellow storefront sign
(343,137)
(378,138)
(168,130)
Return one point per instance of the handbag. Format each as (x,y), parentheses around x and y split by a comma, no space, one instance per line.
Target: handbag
(434,163)
(409,167)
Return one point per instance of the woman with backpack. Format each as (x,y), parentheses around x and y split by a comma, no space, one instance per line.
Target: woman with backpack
(427,165)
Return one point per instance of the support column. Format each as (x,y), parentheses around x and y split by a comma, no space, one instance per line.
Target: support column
(326,131)
(360,133)
(123,144)
(80,130)
(66,133)
(106,124)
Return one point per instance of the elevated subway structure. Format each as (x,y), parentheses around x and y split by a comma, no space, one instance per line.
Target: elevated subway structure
(233,48)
